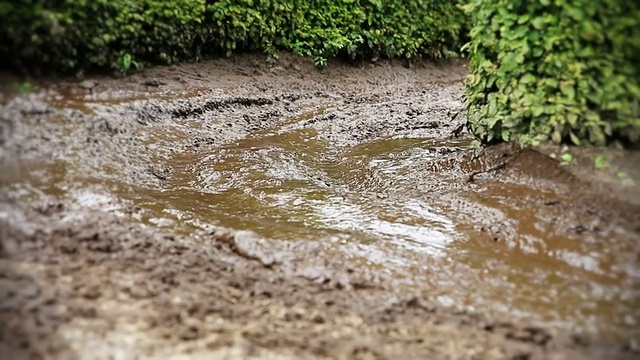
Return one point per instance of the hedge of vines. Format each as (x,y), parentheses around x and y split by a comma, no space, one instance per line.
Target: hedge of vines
(70,36)
(565,70)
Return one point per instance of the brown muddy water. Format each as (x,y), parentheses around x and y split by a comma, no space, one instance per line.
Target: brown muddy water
(333,178)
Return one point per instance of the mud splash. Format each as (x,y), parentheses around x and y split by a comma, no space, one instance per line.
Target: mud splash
(376,182)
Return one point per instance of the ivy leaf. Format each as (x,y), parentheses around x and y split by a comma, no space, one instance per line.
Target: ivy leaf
(527,79)
(566,158)
(524,18)
(572,119)
(538,23)
(576,13)
(569,92)
(576,141)
(537,110)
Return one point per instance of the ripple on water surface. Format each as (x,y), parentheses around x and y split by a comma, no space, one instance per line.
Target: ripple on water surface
(396,203)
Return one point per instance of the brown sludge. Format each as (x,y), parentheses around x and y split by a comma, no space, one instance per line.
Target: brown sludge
(238,211)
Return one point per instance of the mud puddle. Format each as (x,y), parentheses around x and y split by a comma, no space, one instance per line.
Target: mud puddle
(375,180)
(369,201)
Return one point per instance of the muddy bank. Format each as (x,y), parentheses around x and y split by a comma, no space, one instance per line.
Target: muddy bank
(230,209)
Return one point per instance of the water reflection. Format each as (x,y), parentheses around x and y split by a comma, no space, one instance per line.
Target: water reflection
(395,203)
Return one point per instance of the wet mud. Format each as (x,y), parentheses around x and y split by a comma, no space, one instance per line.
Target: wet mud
(231,210)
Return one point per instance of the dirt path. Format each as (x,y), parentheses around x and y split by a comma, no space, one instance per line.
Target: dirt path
(229,210)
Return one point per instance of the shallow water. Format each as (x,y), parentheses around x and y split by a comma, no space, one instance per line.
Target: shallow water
(396,203)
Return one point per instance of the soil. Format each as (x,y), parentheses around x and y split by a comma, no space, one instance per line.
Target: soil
(231,210)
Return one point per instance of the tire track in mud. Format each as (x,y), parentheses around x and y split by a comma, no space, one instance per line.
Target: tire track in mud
(94,275)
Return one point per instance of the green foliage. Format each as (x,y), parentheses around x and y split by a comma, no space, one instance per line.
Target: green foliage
(81,35)
(566,159)
(24,87)
(75,35)
(412,28)
(622,175)
(125,60)
(601,162)
(564,70)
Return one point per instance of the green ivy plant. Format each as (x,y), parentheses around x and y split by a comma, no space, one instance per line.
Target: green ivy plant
(564,70)
(125,61)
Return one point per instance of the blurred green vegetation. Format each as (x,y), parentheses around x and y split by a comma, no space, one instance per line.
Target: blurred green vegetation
(71,36)
(557,70)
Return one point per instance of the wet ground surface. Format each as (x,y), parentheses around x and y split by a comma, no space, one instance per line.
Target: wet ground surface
(230,210)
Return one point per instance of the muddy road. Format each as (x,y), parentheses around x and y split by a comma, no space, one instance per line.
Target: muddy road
(226,210)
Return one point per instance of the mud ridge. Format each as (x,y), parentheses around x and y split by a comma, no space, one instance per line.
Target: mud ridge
(231,210)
